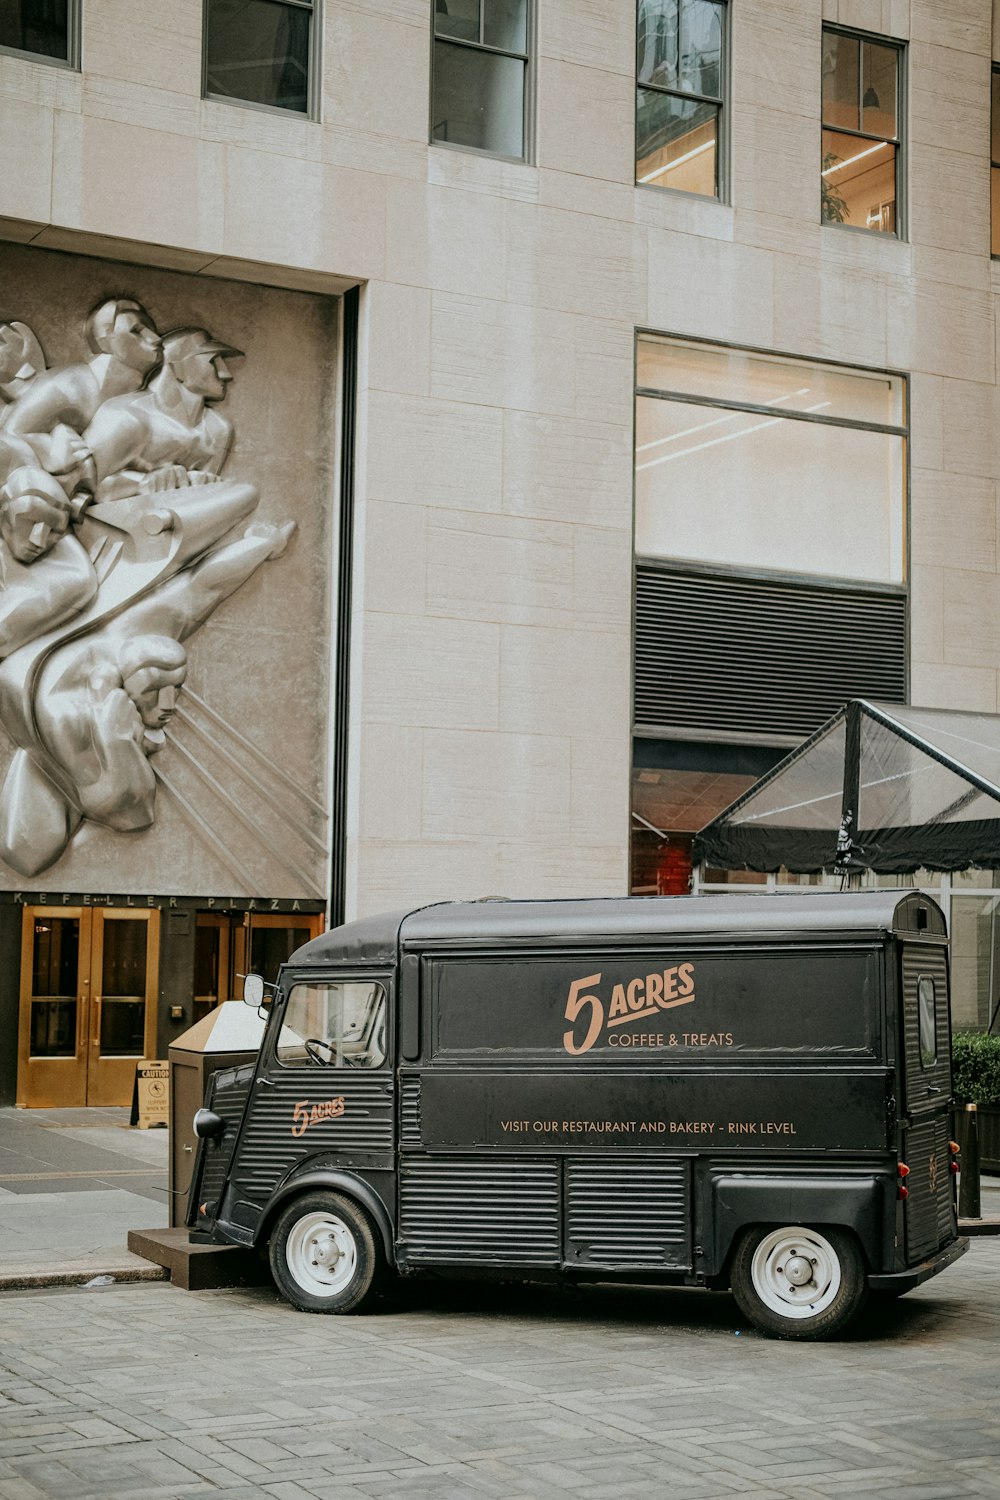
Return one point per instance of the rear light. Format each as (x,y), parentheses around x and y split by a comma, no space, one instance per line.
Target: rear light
(904,1171)
(954,1148)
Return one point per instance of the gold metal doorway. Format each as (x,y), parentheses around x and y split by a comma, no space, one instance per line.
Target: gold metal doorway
(89,980)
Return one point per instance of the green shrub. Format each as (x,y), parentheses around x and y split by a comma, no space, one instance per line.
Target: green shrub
(976,1067)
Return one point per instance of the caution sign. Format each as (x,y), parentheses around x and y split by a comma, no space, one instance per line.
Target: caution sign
(151,1095)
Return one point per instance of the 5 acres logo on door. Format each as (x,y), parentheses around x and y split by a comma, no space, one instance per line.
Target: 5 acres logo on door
(632,1000)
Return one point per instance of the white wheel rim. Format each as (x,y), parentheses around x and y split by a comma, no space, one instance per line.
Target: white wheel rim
(321,1254)
(795,1272)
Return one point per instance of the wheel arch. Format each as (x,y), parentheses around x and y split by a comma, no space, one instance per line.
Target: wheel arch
(343,1182)
(738,1202)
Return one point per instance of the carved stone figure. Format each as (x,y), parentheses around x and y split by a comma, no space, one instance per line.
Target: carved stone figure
(45,575)
(101,704)
(113,519)
(21,359)
(169,435)
(125,346)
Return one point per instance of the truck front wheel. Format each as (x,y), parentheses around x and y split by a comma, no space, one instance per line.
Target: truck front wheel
(798,1283)
(325,1254)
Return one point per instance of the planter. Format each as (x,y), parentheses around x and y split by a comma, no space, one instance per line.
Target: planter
(988,1120)
(988,1132)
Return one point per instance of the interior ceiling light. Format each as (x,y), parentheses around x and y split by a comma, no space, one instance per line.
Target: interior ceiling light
(730,416)
(678,161)
(848,161)
(728,437)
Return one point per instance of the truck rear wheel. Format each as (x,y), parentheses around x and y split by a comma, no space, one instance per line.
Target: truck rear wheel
(799,1283)
(325,1254)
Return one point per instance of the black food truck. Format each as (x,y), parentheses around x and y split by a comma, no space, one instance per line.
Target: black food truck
(726,1091)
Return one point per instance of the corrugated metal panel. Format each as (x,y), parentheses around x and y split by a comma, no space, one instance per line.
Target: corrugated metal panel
(480,1212)
(930,1220)
(932,963)
(409,1111)
(227,1095)
(759,657)
(282,1129)
(628,1213)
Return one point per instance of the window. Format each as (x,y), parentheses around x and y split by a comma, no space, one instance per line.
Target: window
(770,574)
(679,64)
(995,164)
(861,156)
(260,52)
(45,29)
(480,75)
(334,1025)
(753,460)
(927,1022)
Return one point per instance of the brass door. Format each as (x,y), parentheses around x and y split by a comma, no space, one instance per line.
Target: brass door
(88,1003)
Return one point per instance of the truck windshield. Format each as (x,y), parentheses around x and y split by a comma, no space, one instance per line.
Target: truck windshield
(339,1025)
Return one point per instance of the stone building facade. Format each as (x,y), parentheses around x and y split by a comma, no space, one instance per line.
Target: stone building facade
(460,336)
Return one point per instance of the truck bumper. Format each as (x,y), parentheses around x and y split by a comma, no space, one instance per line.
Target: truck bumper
(905,1281)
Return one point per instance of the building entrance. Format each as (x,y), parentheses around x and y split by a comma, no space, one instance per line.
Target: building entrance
(229,945)
(88,1003)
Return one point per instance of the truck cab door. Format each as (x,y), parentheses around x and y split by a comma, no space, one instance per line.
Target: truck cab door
(929,1213)
(323,1091)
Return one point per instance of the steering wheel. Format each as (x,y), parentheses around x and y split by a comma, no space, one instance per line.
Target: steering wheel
(315,1047)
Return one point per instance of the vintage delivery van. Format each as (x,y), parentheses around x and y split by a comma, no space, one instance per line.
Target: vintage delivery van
(713,1091)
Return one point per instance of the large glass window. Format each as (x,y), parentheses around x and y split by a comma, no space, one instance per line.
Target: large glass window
(862,132)
(480,82)
(335,1025)
(679,69)
(260,52)
(995,163)
(46,29)
(759,462)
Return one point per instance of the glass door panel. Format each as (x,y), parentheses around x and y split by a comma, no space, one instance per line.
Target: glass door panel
(55,978)
(212,978)
(125,948)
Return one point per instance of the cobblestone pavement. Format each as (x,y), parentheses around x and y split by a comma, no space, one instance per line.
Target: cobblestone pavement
(460,1392)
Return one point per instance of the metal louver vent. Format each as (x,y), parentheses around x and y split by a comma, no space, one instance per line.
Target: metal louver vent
(751,657)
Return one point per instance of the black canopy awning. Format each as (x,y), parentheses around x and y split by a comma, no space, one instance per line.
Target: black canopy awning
(880,786)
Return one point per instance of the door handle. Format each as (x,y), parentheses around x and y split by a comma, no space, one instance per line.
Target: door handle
(96,1039)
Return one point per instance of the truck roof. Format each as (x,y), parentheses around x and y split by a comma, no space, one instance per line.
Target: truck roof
(619,920)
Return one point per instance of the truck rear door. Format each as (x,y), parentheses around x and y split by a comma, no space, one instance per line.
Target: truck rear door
(929,1214)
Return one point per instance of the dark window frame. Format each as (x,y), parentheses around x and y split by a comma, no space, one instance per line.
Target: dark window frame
(380,983)
(900,232)
(722,101)
(994,161)
(313,8)
(74,28)
(527,58)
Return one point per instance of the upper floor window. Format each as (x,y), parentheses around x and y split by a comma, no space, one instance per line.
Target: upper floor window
(260,52)
(995,163)
(680,87)
(45,29)
(860,172)
(480,84)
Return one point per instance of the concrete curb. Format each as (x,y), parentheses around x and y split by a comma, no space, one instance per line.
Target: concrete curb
(988,1225)
(23,1281)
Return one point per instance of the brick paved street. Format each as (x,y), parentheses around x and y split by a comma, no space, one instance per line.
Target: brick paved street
(145,1391)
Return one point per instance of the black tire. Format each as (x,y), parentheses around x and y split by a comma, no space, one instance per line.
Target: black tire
(797,1282)
(326,1255)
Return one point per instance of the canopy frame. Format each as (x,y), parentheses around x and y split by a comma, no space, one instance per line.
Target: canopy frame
(726,842)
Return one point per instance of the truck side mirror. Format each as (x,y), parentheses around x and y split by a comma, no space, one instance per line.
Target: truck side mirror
(253,992)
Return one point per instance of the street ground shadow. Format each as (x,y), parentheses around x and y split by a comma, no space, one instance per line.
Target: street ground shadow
(683,1309)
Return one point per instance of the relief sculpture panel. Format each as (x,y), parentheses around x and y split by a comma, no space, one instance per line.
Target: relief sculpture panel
(126,523)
